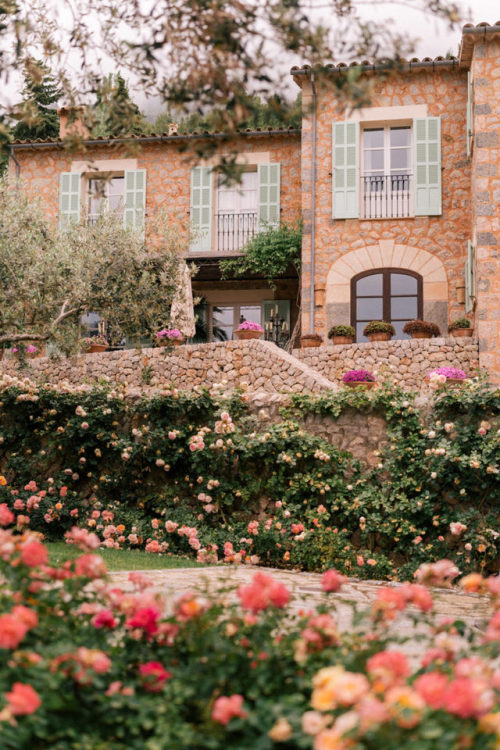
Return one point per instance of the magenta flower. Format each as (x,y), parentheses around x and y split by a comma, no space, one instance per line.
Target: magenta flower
(449,372)
(248,325)
(170,333)
(358,376)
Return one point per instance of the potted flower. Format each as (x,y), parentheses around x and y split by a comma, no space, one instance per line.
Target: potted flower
(94,344)
(460,327)
(362,378)
(379,330)
(421,329)
(309,340)
(248,330)
(342,334)
(170,337)
(447,374)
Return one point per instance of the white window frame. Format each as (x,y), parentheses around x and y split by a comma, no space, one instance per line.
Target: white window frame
(107,179)
(379,205)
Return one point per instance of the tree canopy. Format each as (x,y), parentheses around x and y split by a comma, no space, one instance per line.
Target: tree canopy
(37,113)
(207,55)
(49,279)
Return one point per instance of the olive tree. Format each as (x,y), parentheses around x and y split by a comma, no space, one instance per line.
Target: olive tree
(48,279)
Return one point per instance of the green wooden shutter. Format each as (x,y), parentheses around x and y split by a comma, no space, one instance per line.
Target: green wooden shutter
(345,170)
(135,198)
(283,310)
(470,291)
(427,132)
(69,198)
(201,209)
(469,110)
(269,195)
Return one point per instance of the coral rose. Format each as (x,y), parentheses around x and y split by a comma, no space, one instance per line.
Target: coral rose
(332,580)
(34,554)
(12,631)
(226,708)
(263,592)
(6,516)
(23,699)
(431,687)
(153,675)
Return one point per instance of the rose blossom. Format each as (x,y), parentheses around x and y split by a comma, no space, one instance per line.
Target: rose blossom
(226,708)
(23,699)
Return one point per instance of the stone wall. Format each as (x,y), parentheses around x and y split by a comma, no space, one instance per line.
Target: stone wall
(408,361)
(256,364)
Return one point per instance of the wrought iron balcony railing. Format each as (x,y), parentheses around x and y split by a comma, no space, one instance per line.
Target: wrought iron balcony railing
(234,230)
(386,196)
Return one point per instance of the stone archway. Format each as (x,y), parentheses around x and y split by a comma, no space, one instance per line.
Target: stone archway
(387,254)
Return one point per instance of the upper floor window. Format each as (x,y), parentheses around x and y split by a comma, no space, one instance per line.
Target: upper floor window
(236,211)
(389,171)
(93,193)
(224,217)
(391,294)
(105,195)
(386,173)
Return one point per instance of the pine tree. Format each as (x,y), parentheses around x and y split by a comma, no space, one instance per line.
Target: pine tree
(114,113)
(40,94)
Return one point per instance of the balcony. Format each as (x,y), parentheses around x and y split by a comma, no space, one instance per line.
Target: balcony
(386,196)
(234,230)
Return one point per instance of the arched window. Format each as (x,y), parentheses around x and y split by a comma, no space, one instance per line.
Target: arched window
(391,294)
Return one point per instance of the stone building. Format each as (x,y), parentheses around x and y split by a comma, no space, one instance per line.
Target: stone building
(399,201)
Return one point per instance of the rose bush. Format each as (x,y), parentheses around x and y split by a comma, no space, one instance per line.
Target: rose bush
(194,474)
(89,664)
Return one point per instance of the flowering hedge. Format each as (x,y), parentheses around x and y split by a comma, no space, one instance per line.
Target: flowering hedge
(87,664)
(192,473)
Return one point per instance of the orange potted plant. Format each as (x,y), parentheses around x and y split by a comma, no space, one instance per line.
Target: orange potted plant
(461,327)
(342,334)
(248,330)
(421,329)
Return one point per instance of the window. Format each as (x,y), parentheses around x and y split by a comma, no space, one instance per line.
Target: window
(236,211)
(386,172)
(105,195)
(391,294)
(227,318)
(389,171)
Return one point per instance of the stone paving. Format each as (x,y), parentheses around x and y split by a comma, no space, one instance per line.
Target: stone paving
(307,593)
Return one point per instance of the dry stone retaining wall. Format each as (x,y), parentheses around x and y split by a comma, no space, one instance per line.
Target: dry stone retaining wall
(255,364)
(408,361)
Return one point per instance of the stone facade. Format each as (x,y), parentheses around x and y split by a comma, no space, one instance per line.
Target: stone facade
(485,72)
(434,246)
(406,362)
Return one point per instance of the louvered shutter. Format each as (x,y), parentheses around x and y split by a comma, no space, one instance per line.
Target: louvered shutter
(269,195)
(469,111)
(470,291)
(69,198)
(201,209)
(427,132)
(135,198)
(345,170)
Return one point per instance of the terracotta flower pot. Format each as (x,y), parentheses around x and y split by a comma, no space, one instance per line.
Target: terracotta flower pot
(170,342)
(462,332)
(310,340)
(247,333)
(94,348)
(420,335)
(456,381)
(342,340)
(367,385)
(380,336)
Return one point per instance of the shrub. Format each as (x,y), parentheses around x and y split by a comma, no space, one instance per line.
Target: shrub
(341,330)
(459,323)
(87,664)
(249,325)
(421,326)
(379,326)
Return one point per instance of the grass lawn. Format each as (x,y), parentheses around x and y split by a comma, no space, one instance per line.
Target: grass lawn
(117,559)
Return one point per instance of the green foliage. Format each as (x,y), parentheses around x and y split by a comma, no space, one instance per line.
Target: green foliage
(268,254)
(114,113)
(378,326)
(200,460)
(37,114)
(273,112)
(341,330)
(460,323)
